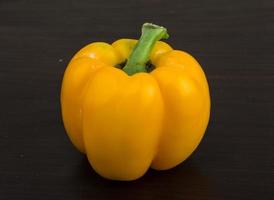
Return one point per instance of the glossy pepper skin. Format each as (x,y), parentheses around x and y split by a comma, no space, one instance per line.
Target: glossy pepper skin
(128,123)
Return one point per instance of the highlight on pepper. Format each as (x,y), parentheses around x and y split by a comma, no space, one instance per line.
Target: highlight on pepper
(151,111)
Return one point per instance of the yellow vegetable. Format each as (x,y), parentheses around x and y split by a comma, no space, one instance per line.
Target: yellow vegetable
(131,118)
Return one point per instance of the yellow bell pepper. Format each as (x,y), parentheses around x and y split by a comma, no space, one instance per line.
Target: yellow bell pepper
(129,118)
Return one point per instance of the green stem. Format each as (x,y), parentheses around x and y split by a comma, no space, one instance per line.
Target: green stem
(139,56)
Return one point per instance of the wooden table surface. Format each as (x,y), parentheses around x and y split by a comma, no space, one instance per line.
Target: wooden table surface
(233,41)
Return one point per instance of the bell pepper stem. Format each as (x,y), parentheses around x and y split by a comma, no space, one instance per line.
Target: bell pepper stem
(140,54)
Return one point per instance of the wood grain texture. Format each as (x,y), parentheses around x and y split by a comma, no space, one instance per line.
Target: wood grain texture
(233,41)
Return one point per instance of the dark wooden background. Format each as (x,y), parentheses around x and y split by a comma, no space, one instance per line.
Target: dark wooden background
(233,41)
